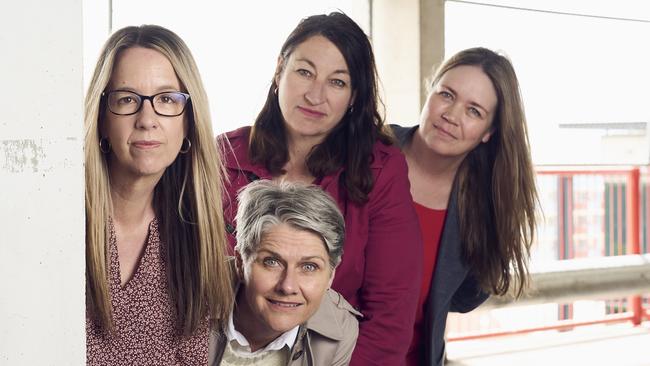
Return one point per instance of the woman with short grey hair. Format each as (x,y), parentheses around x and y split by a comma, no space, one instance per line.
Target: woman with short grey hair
(289,243)
(265,204)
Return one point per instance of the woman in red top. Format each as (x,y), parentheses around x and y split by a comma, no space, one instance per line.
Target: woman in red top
(470,157)
(320,125)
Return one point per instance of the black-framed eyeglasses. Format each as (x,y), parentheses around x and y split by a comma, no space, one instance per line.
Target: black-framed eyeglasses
(126,103)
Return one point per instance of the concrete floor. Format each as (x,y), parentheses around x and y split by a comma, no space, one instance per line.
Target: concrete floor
(612,344)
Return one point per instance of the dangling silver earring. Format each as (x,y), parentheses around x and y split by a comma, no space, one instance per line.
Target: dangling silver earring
(184,149)
(351,109)
(104,145)
(275,91)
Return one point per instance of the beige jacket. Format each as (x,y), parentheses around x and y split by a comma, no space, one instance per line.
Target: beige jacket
(328,337)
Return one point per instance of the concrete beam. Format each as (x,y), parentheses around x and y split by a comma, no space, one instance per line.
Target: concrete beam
(584,279)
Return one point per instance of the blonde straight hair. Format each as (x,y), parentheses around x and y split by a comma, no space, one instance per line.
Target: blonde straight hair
(187,200)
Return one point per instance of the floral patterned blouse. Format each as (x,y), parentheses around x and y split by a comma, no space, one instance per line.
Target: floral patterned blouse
(143,316)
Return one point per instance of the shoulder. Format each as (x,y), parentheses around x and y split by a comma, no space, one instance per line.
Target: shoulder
(383,155)
(403,135)
(234,146)
(335,318)
(388,167)
(242,132)
(236,137)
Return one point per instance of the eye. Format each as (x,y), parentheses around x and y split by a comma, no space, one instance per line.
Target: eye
(475,112)
(166,99)
(126,100)
(271,262)
(310,267)
(305,73)
(338,83)
(169,98)
(445,94)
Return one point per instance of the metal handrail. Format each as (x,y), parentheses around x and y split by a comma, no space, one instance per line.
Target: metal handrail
(568,280)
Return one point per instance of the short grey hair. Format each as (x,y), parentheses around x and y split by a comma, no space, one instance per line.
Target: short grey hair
(264,204)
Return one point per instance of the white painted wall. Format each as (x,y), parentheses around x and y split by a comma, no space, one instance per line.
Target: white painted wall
(41,184)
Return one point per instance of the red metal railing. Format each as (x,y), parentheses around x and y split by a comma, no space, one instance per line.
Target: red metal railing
(629,240)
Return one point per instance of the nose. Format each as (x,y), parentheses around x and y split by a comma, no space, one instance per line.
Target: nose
(287,285)
(146,116)
(315,94)
(451,114)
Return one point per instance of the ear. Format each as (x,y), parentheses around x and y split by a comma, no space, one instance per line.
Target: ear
(278,69)
(186,123)
(329,284)
(487,135)
(239,264)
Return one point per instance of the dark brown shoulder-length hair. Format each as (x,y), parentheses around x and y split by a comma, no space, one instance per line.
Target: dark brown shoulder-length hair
(187,199)
(495,183)
(349,144)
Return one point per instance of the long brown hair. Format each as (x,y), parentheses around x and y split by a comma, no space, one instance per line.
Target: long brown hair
(187,199)
(495,183)
(349,145)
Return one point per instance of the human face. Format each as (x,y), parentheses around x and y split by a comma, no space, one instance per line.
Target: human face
(283,282)
(314,89)
(143,144)
(459,111)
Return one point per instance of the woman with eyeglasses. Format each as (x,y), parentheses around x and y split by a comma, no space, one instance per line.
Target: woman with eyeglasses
(320,125)
(156,275)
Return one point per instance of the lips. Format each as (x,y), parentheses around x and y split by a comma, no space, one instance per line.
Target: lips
(311,113)
(146,144)
(284,304)
(444,132)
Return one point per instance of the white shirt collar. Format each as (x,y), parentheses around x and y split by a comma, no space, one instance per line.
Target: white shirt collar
(242,347)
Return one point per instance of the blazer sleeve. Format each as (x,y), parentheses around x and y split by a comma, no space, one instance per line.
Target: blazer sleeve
(393,269)
(468,296)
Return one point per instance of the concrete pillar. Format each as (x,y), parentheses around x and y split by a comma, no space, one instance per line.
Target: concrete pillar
(408,38)
(42,184)
(432,40)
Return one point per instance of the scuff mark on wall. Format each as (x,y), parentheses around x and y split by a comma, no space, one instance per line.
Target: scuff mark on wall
(39,155)
(21,155)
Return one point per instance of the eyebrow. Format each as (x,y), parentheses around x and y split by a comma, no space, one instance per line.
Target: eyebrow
(160,89)
(340,71)
(470,102)
(302,259)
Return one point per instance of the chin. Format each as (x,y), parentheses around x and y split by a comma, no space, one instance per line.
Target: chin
(283,325)
(149,171)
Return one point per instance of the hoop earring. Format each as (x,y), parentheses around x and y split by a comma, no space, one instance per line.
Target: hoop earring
(104,145)
(275,91)
(189,145)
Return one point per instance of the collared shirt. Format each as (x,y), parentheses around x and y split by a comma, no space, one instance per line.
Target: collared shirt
(241,347)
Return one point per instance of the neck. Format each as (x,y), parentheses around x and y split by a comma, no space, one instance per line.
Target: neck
(132,200)
(431,175)
(435,165)
(250,326)
(296,167)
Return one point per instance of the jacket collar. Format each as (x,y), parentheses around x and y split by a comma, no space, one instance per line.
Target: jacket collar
(325,321)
